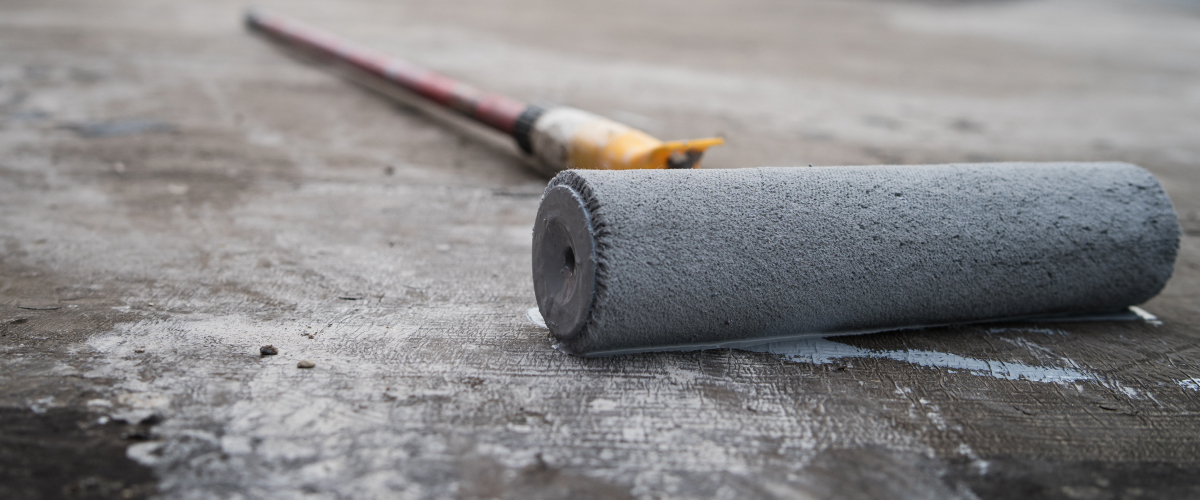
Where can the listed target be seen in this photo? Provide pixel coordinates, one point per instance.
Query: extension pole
(559, 137)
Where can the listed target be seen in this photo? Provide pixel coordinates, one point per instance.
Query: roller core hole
(569, 258)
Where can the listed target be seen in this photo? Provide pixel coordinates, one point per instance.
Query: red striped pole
(494, 110)
(566, 137)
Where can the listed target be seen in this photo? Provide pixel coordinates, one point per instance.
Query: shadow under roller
(650, 260)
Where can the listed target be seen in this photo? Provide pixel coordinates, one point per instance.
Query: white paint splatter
(535, 316)
(601, 404)
(40, 405)
(823, 351)
(1146, 316)
(1006, 329)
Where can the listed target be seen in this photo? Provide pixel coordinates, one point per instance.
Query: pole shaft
(494, 110)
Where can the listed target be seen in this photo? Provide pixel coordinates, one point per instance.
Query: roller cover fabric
(690, 259)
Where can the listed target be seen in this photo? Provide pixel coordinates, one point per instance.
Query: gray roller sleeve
(630, 261)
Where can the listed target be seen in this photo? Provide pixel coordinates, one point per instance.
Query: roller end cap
(564, 262)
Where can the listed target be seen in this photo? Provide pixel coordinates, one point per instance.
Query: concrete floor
(176, 193)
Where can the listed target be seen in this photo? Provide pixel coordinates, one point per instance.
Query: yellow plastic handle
(607, 145)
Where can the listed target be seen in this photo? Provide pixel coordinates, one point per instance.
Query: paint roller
(653, 260)
(557, 137)
(665, 257)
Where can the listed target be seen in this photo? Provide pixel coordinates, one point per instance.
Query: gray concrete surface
(176, 193)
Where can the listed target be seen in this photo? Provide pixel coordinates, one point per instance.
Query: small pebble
(268, 350)
(304, 363)
(139, 350)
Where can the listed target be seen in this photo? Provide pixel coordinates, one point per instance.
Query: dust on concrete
(272, 199)
(57, 438)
